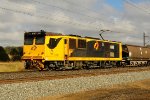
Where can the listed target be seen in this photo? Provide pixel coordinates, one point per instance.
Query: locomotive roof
(43, 33)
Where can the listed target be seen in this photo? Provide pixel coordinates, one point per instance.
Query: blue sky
(117, 4)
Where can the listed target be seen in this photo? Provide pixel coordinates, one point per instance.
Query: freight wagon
(136, 55)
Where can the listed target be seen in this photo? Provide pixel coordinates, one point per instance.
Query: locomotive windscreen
(28, 40)
(39, 40)
(38, 36)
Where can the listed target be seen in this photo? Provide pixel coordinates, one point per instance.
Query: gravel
(28, 90)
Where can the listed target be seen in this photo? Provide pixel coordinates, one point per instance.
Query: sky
(126, 20)
(118, 5)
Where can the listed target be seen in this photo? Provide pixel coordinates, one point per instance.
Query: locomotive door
(72, 47)
(66, 49)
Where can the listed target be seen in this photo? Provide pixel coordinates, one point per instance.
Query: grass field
(11, 66)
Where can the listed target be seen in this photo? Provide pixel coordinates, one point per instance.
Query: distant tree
(8, 49)
(15, 53)
(20, 50)
(3, 55)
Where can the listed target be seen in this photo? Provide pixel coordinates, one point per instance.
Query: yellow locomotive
(47, 50)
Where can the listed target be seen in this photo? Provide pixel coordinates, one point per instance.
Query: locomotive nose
(33, 52)
(33, 47)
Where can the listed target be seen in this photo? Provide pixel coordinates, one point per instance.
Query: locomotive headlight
(46, 58)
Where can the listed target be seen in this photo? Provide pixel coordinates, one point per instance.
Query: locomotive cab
(42, 47)
(33, 48)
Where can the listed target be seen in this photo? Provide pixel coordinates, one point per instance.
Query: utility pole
(144, 39)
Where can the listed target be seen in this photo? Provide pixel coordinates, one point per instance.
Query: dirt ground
(132, 91)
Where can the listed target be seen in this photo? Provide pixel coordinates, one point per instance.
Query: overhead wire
(144, 8)
(87, 23)
(43, 11)
(50, 5)
(85, 8)
(44, 17)
(61, 8)
(68, 10)
(77, 5)
(136, 6)
(133, 4)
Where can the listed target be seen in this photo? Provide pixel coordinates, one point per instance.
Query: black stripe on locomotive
(88, 49)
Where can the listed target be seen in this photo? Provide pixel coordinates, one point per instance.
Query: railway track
(29, 76)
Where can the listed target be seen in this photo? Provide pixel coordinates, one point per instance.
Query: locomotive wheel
(52, 66)
(103, 64)
(47, 68)
(118, 64)
(87, 67)
(137, 65)
(124, 65)
(27, 64)
(148, 63)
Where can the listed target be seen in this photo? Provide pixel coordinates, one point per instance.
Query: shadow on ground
(132, 91)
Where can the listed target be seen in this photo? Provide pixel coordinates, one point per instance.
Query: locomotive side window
(72, 43)
(81, 43)
(112, 46)
(53, 42)
(40, 40)
(28, 40)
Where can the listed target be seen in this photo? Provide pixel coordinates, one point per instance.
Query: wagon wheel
(137, 65)
(124, 64)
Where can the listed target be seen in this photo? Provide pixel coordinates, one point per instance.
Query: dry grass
(11, 66)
